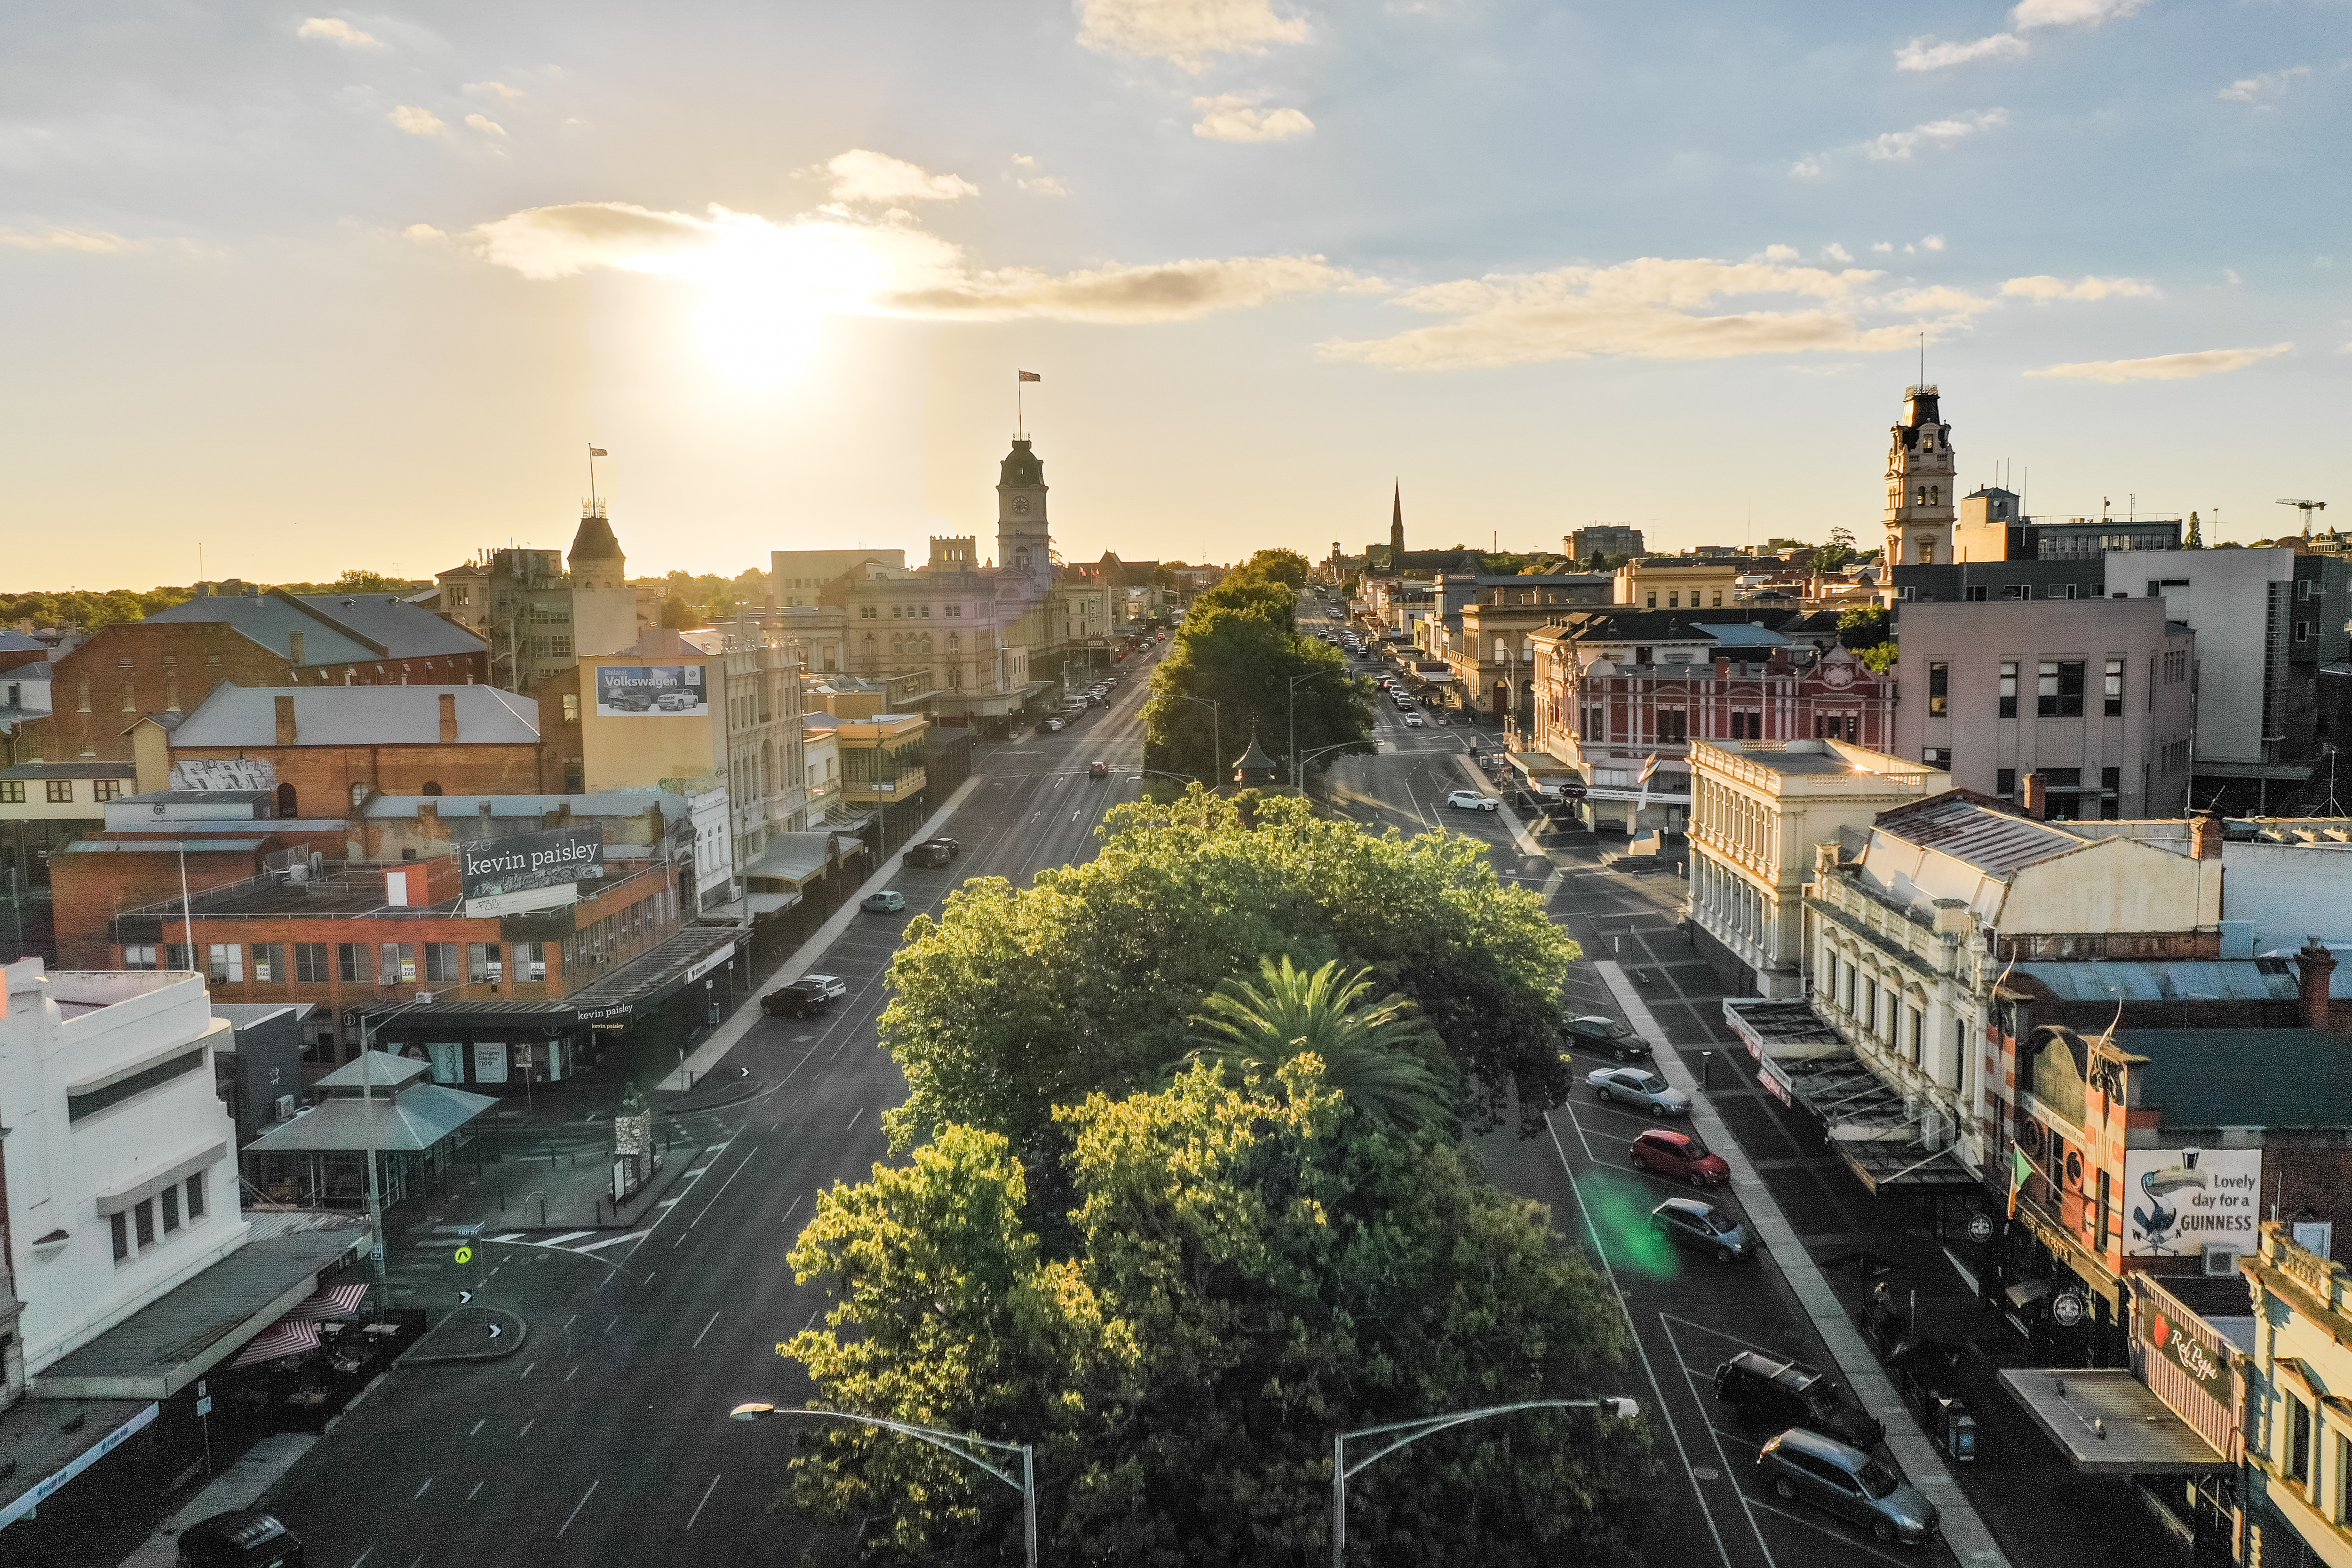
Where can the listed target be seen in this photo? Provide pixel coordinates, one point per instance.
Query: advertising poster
(650, 691)
(2178, 1202)
(530, 870)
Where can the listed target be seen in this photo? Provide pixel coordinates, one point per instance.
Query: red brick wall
(90, 888)
(322, 776)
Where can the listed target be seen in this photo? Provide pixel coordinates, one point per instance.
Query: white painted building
(2299, 1402)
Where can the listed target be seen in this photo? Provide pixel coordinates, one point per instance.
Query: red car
(1680, 1155)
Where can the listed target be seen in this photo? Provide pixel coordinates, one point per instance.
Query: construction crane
(2306, 508)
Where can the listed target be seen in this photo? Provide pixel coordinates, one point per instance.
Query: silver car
(1689, 1222)
(1848, 1483)
(1638, 1086)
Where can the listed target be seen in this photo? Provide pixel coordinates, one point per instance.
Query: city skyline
(357, 289)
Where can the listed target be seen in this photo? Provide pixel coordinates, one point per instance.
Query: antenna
(2306, 508)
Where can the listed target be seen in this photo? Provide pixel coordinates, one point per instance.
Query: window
(2115, 690)
(1747, 724)
(171, 1209)
(1596, 723)
(2005, 783)
(1940, 690)
(139, 958)
(178, 958)
(1938, 757)
(1674, 725)
(1916, 1021)
(2008, 688)
(269, 963)
(1641, 655)
(1869, 1014)
(441, 962)
(1974, 593)
(2303, 633)
(1837, 726)
(348, 959)
(121, 1225)
(2107, 1210)
(571, 707)
(865, 611)
(530, 959)
(2058, 689)
(1652, 602)
(11, 792)
(225, 961)
(61, 792)
(1718, 599)
(399, 963)
(111, 789)
(143, 1220)
(311, 962)
(1674, 599)
(2298, 1458)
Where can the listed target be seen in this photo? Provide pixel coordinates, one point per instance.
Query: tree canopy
(1374, 1050)
(1251, 1273)
(1016, 1001)
(1286, 567)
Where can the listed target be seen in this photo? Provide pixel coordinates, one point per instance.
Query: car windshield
(1648, 1083)
(1877, 1479)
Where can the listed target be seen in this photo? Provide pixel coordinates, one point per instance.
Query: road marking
(705, 1334)
(527, 1426)
(567, 1236)
(611, 1326)
(793, 1210)
(528, 1371)
(1735, 1339)
(573, 1373)
(647, 1281)
(576, 1508)
(362, 1557)
(479, 1424)
(1691, 1378)
(610, 1241)
(698, 1507)
(714, 1198)
(1837, 1535)
(423, 1489)
(569, 1321)
(854, 1115)
(477, 1491)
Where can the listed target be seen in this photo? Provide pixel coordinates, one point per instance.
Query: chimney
(2313, 965)
(286, 721)
(294, 647)
(2205, 837)
(449, 716)
(2036, 797)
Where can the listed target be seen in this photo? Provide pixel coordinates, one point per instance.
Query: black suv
(803, 998)
(926, 854)
(1791, 1394)
(1608, 1037)
(244, 1539)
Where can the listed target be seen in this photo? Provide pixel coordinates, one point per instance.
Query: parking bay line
(1735, 1339)
(1721, 1453)
(1839, 1536)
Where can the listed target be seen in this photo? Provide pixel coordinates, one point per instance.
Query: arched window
(431, 786)
(286, 802)
(1934, 495)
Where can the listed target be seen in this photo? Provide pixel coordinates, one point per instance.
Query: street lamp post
(962, 1446)
(1217, 733)
(1298, 769)
(1292, 751)
(1404, 1431)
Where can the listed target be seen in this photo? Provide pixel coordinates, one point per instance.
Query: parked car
(1471, 800)
(805, 997)
(1790, 1394)
(1635, 1086)
(1608, 1037)
(1845, 1481)
(1413, 721)
(954, 847)
(889, 901)
(1055, 726)
(245, 1537)
(926, 855)
(1687, 1222)
(1681, 1155)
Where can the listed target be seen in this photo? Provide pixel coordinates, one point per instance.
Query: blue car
(889, 901)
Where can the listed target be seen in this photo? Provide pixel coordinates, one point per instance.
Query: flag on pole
(1028, 375)
(2020, 1167)
(598, 452)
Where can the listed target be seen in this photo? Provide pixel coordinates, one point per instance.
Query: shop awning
(411, 1122)
(48, 1442)
(652, 978)
(289, 1336)
(1801, 1061)
(332, 1305)
(2108, 1423)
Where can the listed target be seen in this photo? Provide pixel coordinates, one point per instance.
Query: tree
(1376, 1053)
(1829, 557)
(1246, 662)
(359, 580)
(1286, 567)
(1249, 1274)
(1015, 1000)
(2196, 540)
(1861, 626)
(675, 612)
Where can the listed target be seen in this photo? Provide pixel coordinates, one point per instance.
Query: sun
(766, 292)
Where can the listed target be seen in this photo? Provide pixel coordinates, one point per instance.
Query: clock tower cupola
(1922, 501)
(1022, 541)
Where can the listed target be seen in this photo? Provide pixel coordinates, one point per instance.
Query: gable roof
(337, 628)
(1994, 839)
(359, 716)
(2243, 1077)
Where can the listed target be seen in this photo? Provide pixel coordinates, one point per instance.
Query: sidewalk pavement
(724, 1039)
(241, 1485)
(1963, 1529)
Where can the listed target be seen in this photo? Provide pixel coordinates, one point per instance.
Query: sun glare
(767, 290)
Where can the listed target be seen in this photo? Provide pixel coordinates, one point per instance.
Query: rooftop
(1987, 835)
(597, 803)
(359, 716)
(71, 771)
(337, 628)
(2243, 1077)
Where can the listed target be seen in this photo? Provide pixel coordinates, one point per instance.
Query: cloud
(1029, 179)
(2029, 14)
(1933, 241)
(1897, 146)
(888, 268)
(1836, 252)
(82, 241)
(1653, 309)
(1926, 54)
(486, 125)
(1231, 118)
(2044, 287)
(422, 234)
(417, 121)
(2164, 367)
(335, 30)
(880, 180)
(495, 90)
(2255, 89)
(1184, 32)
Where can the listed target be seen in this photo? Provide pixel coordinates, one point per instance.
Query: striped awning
(288, 1336)
(332, 1304)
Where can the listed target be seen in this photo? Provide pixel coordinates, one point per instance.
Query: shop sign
(705, 965)
(489, 1061)
(2178, 1202)
(2186, 1349)
(49, 1486)
(1775, 1084)
(554, 862)
(595, 1015)
(2069, 1310)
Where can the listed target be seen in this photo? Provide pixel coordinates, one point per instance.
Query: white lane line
(719, 1194)
(1834, 1533)
(362, 1557)
(573, 1373)
(528, 1371)
(1578, 1123)
(705, 1334)
(854, 1115)
(612, 1241)
(479, 1424)
(1735, 1339)
(1691, 1379)
(477, 1491)
(811, 1320)
(793, 1210)
(576, 1507)
(423, 1489)
(1672, 1430)
(567, 1236)
(527, 1426)
(698, 1507)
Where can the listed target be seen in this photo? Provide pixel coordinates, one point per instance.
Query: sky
(310, 289)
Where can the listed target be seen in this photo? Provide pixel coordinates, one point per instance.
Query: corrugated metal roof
(597, 803)
(354, 625)
(272, 623)
(414, 1119)
(359, 716)
(2243, 1077)
(405, 630)
(1993, 841)
(71, 771)
(2184, 980)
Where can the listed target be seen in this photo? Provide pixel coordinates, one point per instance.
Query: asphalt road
(603, 1440)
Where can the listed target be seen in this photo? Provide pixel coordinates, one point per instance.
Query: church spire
(1396, 524)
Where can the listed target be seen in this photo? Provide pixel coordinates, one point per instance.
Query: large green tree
(1245, 663)
(1015, 1000)
(1374, 1050)
(1251, 1273)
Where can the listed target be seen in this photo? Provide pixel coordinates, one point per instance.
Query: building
(1971, 581)
(2242, 604)
(796, 575)
(762, 690)
(1602, 539)
(1480, 627)
(1992, 526)
(1758, 810)
(44, 807)
(169, 663)
(2298, 1443)
(258, 1065)
(2098, 698)
(1678, 581)
(882, 758)
(1922, 490)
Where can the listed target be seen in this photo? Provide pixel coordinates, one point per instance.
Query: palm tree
(1370, 1049)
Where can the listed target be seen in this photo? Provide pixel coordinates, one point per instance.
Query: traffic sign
(465, 1254)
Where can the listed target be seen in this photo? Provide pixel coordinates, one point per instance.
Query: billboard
(650, 691)
(2181, 1201)
(530, 870)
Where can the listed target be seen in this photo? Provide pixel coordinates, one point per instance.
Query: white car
(1413, 721)
(1470, 800)
(1637, 1085)
(1052, 726)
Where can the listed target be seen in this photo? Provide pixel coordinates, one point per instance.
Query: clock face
(1020, 503)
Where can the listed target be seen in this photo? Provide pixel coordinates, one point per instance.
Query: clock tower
(1922, 501)
(1022, 540)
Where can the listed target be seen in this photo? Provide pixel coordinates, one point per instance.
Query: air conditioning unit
(284, 1108)
(426, 997)
(1934, 1131)
(2221, 1261)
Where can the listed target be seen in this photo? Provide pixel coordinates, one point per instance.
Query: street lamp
(1216, 735)
(1298, 769)
(1413, 1431)
(1292, 750)
(962, 1446)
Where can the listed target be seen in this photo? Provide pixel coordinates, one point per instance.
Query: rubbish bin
(1960, 1431)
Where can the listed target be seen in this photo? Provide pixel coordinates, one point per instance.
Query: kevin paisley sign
(530, 870)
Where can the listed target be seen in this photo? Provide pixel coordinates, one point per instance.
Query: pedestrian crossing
(563, 1242)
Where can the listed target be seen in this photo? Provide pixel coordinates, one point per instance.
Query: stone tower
(1022, 543)
(1922, 501)
(604, 606)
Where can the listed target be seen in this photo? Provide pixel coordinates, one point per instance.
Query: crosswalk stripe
(560, 1240)
(611, 1241)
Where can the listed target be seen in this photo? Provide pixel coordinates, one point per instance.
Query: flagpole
(592, 479)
